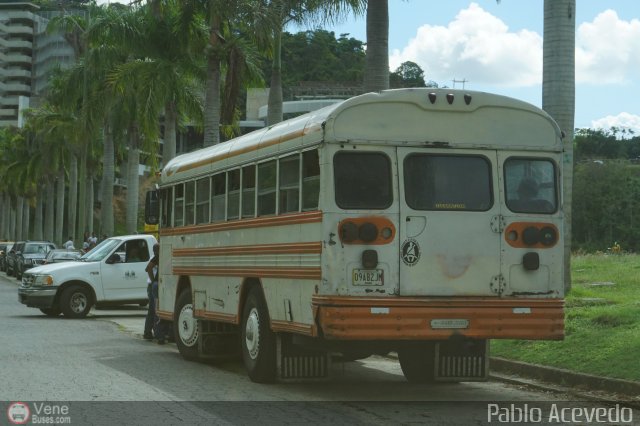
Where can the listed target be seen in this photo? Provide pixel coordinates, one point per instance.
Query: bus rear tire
(257, 339)
(186, 328)
(418, 362)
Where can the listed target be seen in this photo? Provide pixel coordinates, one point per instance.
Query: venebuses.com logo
(18, 413)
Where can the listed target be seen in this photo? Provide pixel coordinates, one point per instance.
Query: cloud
(477, 46)
(623, 120)
(607, 49)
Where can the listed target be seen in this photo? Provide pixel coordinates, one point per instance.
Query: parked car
(5, 247)
(12, 258)
(62, 255)
(32, 254)
(113, 273)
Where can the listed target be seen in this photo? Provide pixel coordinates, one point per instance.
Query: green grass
(602, 324)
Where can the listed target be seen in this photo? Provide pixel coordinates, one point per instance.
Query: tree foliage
(606, 191)
(408, 74)
(320, 56)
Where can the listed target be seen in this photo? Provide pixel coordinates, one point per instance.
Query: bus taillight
(531, 235)
(366, 230)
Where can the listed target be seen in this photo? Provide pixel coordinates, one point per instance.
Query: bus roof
(407, 117)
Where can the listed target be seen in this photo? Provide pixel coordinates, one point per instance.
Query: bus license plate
(368, 277)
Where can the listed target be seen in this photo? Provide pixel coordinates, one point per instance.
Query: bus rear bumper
(411, 318)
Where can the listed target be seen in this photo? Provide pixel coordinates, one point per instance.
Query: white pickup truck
(113, 273)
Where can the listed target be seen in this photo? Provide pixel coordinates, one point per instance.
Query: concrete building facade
(28, 54)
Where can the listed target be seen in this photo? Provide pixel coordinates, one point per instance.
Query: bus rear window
(362, 180)
(530, 185)
(447, 182)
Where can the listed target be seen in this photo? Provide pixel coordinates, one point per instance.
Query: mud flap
(297, 362)
(463, 360)
(218, 341)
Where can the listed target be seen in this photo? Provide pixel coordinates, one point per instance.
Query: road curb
(566, 378)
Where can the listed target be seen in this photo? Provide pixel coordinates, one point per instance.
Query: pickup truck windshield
(101, 251)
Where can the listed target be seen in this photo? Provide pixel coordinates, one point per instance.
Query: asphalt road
(104, 373)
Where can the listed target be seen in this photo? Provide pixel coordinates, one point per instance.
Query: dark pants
(159, 326)
(151, 312)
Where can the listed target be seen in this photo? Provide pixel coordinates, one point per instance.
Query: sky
(498, 48)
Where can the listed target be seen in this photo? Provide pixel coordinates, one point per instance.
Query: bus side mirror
(151, 207)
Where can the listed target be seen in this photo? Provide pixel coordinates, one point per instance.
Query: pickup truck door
(127, 279)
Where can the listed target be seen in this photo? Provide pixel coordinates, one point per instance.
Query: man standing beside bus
(152, 280)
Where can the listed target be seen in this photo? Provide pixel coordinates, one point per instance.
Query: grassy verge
(602, 322)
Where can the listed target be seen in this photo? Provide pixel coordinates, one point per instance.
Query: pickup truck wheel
(50, 312)
(75, 302)
(186, 327)
(257, 339)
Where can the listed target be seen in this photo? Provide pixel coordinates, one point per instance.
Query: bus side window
(233, 208)
(178, 219)
(310, 180)
(266, 188)
(167, 204)
(190, 202)
(202, 201)
(218, 194)
(289, 184)
(249, 191)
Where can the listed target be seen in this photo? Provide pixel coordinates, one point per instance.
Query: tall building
(28, 54)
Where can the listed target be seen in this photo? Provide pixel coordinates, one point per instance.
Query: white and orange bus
(421, 221)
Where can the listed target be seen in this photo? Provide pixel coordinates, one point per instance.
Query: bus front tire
(418, 363)
(186, 327)
(257, 339)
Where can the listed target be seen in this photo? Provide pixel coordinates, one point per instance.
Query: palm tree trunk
(558, 97)
(26, 211)
(212, 86)
(59, 215)
(274, 111)
(376, 72)
(4, 207)
(89, 207)
(82, 192)
(19, 207)
(170, 120)
(133, 162)
(39, 213)
(108, 177)
(73, 195)
(49, 214)
(12, 221)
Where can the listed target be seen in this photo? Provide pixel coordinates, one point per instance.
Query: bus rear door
(450, 241)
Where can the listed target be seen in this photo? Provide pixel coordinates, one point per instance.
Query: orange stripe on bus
(412, 318)
(168, 315)
(260, 222)
(216, 316)
(293, 273)
(289, 248)
(293, 327)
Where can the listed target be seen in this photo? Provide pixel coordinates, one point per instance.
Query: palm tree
(376, 72)
(281, 13)
(52, 127)
(558, 96)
